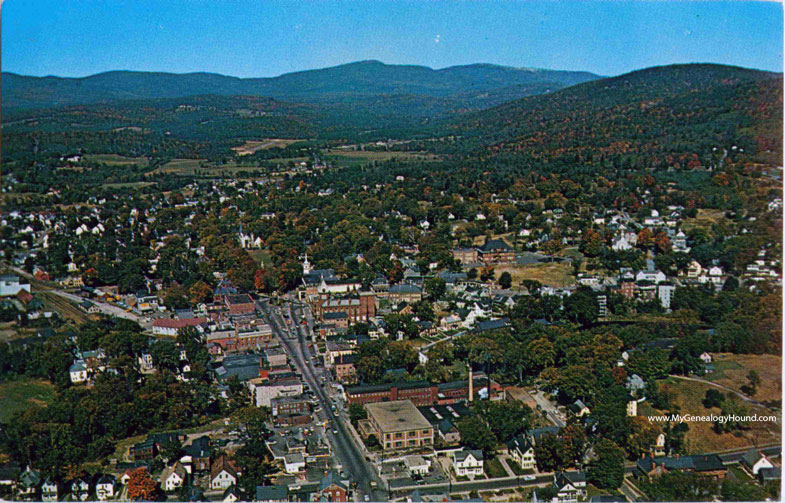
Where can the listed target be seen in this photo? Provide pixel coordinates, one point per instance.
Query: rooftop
(399, 415)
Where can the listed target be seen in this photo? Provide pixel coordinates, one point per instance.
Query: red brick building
(240, 305)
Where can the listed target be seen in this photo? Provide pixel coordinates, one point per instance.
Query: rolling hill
(470, 85)
(648, 113)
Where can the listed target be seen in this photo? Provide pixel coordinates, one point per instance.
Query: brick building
(397, 425)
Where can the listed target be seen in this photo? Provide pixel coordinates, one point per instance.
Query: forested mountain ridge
(350, 81)
(650, 113)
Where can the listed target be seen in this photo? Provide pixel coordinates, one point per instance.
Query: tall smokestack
(471, 384)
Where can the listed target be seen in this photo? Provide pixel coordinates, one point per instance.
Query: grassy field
(260, 256)
(493, 468)
(557, 274)
(701, 437)
(128, 185)
(704, 219)
(731, 371)
(183, 166)
(116, 160)
(251, 146)
(23, 394)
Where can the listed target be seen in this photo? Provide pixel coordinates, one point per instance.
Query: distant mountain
(470, 86)
(648, 113)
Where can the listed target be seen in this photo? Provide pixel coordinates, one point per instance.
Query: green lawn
(116, 160)
(22, 394)
(720, 367)
(493, 467)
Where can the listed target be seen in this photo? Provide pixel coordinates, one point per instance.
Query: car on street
(529, 477)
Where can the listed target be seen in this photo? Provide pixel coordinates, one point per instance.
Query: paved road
(478, 485)
(347, 453)
(548, 408)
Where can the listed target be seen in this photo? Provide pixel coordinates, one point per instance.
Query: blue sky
(266, 38)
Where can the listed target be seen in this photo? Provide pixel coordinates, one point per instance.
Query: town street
(346, 451)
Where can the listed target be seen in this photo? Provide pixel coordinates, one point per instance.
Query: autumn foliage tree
(141, 486)
(591, 244)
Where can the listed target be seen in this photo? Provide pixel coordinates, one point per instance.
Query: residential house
(223, 474)
(753, 461)
(467, 463)
(173, 477)
(28, 484)
(579, 408)
(521, 450)
(80, 489)
(570, 486)
(231, 495)
(105, 487)
(49, 490)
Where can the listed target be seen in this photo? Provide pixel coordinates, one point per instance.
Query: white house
(80, 489)
(173, 477)
(104, 488)
(659, 445)
(78, 372)
(49, 490)
(570, 486)
(222, 474)
(522, 452)
(418, 465)
(467, 463)
(705, 357)
(754, 461)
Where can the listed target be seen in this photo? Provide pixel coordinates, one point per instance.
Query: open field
(557, 274)
(261, 256)
(704, 219)
(701, 437)
(23, 394)
(731, 371)
(251, 146)
(183, 166)
(116, 160)
(128, 185)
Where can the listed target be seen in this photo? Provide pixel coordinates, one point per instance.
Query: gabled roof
(462, 455)
(519, 443)
(330, 479)
(222, 464)
(751, 457)
(495, 245)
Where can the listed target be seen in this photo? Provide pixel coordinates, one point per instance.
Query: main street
(349, 455)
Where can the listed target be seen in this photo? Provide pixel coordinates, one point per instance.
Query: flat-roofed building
(397, 425)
